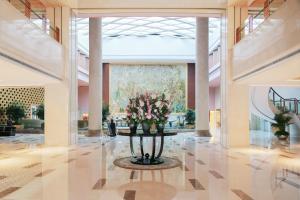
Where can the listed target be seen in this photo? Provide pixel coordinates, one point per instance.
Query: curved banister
(273, 95)
(267, 117)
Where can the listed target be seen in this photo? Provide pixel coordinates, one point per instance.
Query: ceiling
(175, 27)
(98, 4)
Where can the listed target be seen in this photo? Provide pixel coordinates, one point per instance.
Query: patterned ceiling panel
(178, 27)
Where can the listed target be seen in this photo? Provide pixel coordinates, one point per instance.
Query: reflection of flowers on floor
(128, 80)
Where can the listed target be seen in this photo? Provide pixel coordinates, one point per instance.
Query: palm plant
(281, 119)
(40, 112)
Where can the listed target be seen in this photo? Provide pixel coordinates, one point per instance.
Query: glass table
(146, 158)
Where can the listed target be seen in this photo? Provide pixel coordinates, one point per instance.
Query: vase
(133, 127)
(146, 127)
(160, 128)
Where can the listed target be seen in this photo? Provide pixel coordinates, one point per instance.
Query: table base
(145, 161)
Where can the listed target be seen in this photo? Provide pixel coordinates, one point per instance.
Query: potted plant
(105, 112)
(281, 119)
(40, 113)
(161, 112)
(132, 114)
(190, 117)
(15, 111)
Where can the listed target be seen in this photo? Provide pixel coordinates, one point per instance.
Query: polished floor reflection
(86, 172)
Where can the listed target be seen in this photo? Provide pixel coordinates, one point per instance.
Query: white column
(61, 97)
(95, 76)
(234, 96)
(202, 81)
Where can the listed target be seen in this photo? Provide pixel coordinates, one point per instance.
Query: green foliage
(40, 112)
(281, 121)
(82, 124)
(280, 133)
(190, 116)
(15, 111)
(161, 109)
(105, 112)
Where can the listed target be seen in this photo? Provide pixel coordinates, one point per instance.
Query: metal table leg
(131, 147)
(141, 146)
(161, 146)
(153, 148)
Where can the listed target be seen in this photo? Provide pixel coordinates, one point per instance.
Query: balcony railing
(36, 15)
(255, 18)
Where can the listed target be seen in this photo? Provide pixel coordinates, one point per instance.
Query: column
(202, 81)
(61, 103)
(105, 82)
(191, 85)
(234, 96)
(95, 77)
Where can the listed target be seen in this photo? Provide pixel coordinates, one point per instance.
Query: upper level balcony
(270, 48)
(28, 39)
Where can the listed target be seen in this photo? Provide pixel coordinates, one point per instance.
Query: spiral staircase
(266, 101)
(291, 105)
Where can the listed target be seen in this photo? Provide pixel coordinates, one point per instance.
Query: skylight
(119, 32)
(178, 27)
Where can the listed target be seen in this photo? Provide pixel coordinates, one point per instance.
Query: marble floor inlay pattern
(31, 171)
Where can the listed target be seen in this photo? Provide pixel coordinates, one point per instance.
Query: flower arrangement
(148, 109)
(161, 110)
(132, 111)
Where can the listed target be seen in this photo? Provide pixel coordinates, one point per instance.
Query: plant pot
(146, 127)
(19, 127)
(133, 127)
(160, 128)
(190, 126)
(282, 137)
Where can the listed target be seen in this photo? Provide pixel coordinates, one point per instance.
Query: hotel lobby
(168, 100)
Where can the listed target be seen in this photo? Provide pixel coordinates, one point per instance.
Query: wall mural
(128, 80)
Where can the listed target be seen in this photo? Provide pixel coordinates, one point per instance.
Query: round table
(146, 158)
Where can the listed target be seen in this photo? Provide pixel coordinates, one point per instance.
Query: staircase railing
(287, 104)
(254, 19)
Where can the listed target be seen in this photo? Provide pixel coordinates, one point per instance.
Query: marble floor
(32, 171)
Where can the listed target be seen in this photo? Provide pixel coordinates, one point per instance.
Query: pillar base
(203, 133)
(93, 133)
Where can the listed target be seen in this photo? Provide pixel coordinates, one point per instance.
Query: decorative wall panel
(26, 96)
(128, 80)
